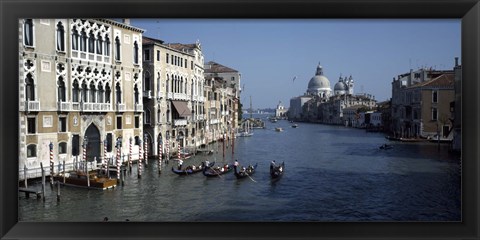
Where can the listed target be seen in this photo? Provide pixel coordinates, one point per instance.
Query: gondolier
(180, 162)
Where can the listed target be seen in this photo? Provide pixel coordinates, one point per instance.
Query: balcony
(215, 121)
(194, 98)
(147, 94)
(159, 95)
(76, 106)
(32, 106)
(180, 96)
(170, 95)
(180, 122)
(138, 107)
(64, 106)
(95, 107)
(121, 107)
(201, 99)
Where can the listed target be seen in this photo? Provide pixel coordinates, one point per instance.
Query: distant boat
(294, 125)
(277, 171)
(190, 169)
(217, 171)
(386, 146)
(278, 129)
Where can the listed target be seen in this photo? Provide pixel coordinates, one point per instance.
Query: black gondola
(191, 169)
(276, 171)
(244, 173)
(217, 171)
(386, 146)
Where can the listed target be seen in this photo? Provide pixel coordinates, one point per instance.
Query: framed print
(276, 119)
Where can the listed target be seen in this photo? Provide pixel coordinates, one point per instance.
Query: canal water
(332, 173)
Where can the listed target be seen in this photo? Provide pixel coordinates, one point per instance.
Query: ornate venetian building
(78, 81)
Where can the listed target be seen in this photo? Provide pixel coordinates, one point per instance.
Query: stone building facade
(76, 83)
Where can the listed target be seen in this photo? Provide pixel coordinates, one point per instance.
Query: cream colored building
(78, 80)
(173, 96)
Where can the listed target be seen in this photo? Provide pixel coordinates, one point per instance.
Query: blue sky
(270, 53)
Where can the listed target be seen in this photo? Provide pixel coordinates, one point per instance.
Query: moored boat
(79, 179)
(244, 172)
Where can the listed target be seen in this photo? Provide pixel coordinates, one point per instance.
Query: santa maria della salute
(318, 104)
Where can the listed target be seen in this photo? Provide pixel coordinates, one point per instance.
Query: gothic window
(147, 116)
(75, 39)
(135, 89)
(28, 32)
(99, 44)
(147, 83)
(91, 42)
(30, 88)
(83, 41)
(107, 93)
(60, 37)
(168, 84)
(135, 52)
(100, 93)
(118, 92)
(107, 46)
(75, 91)
(93, 92)
(61, 90)
(117, 48)
(31, 150)
(84, 92)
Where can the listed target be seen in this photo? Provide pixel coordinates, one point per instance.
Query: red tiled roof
(147, 40)
(213, 67)
(444, 80)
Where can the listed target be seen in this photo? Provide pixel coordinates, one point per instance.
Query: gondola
(242, 174)
(217, 171)
(190, 169)
(386, 146)
(276, 171)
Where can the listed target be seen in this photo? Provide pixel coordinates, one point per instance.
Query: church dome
(319, 81)
(340, 86)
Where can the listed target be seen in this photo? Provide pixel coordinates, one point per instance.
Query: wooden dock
(29, 191)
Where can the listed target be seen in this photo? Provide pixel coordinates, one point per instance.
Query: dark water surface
(332, 173)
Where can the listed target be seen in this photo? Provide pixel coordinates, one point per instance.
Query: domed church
(344, 86)
(319, 85)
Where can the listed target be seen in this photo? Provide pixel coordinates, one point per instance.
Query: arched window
(61, 90)
(83, 41)
(84, 91)
(146, 84)
(118, 92)
(107, 93)
(168, 84)
(135, 52)
(135, 90)
(28, 32)
(60, 37)
(93, 92)
(99, 44)
(117, 48)
(100, 93)
(30, 88)
(75, 39)
(75, 91)
(62, 148)
(31, 150)
(147, 116)
(91, 42)
(107, 46)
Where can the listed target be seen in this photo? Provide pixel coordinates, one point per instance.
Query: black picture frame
(12, 10)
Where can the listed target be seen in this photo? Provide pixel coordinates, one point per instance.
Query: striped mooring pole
(51, 162)
(178, 154)
(160, 150)
(130, 156)
(167, 151)
(104, 162)
(118, 160)
(145, 142)
(140, 156)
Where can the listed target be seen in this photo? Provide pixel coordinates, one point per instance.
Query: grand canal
(332, 173)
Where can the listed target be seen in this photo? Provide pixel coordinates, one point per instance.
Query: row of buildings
(98, 86)
(425, 103)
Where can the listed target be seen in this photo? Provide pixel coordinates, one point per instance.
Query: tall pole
(104, 165)
(140, 156)
(146, 150)
(51, 162)
(130, 156)
(160, 150)
(118, 159)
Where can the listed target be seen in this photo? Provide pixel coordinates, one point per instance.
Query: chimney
(456, 61)
(126, 21)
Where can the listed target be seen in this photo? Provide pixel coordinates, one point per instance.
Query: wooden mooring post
(25, 175)
(58, 191)
(43, 181)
